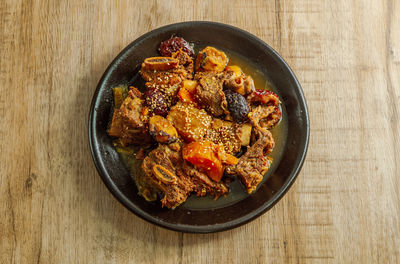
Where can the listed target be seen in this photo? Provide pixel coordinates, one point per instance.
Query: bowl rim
(95, 153)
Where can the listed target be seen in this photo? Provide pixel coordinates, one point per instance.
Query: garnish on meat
(190, 119)
(190, 122)
(230, 134)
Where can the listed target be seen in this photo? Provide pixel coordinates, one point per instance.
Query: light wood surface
(344, 206)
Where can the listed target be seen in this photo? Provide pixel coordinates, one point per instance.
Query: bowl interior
(123, 70)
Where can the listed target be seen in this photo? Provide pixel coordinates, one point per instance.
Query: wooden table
(344, 206)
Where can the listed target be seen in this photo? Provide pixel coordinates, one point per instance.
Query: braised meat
(131, 112)
(254, 163)
(175, 178)
(265, 117)
(237, 81)
(203, 185)
(129, 122)
(186, 61)
(264, 97)
(162, 167)
(164, 76)
(209, 93)
(190, 125)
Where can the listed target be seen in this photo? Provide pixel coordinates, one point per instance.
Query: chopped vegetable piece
(187, 91)
(190, 122)
(115, 129)
(190, 85)
(226, 133)
(226, 158)
(185, 96)
(245, 134)
(211, 59)
(208, 157)
(120, 94)
(162, 130)
(202, 154)
(236, 70)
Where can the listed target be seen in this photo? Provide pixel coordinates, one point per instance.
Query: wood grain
(344, 207)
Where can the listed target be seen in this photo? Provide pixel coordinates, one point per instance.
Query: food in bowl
(195, 124)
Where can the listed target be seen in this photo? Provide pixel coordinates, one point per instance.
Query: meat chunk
(129, 122)
(203, 185)
(163, 76)
(264, 97)
(165, 82)
(155, 79)
(162, 167)
(131, 112)
(186, 61)
(167, 70)
(237, 81)
(254, 163)
(159, 64)
(265, 117)
(162, 71)
(209, 93)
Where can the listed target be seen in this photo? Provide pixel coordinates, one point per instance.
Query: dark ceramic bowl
(124, 69)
